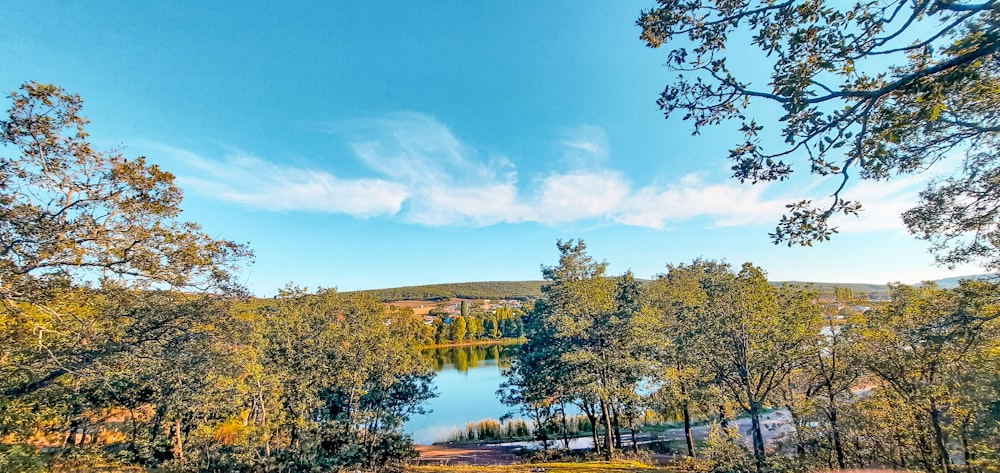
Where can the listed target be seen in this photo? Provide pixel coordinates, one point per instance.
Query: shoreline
(470, 343)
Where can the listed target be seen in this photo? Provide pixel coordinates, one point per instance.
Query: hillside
(878, 291)
(527, 290)
(521, 290)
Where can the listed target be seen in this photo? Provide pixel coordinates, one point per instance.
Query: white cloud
(727, 204)
(256, 183)
(579, 195)
(467, 205)
(882, 204)
(420, 172)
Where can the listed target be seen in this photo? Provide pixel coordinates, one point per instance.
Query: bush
(21, 458)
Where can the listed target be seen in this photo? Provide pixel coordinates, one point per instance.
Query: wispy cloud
(882, 204)
(726, 204)
(584, 146)
(416, 170)
(244, 179)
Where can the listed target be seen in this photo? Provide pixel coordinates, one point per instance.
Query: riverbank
(475, 343)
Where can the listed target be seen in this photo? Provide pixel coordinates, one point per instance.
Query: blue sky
(377, 144)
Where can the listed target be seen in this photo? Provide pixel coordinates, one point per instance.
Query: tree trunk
(967, 455)
(940, 442)
(71, 436)
(757, 435)
(610, 443)
(617, 424)
(592, 417)
(154, 430)
(835, 434)
(631, 427)
(178, 446)
(565, 425)
(686, 412)
(541, 434)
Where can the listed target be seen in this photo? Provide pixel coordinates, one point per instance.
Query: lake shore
(471, 343)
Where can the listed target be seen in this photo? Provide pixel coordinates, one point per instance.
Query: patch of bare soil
(464, 455)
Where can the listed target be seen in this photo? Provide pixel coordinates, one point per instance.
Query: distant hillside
(948, 283)
(826, 288)
(526, 290)
(522, 290)
(860, 289)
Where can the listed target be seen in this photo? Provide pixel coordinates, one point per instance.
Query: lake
(466, 384)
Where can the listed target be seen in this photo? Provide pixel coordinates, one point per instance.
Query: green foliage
(584, 347)
(71, 214)
(123, 340)
(724, 452)
(457, 327)
(21, 458)
(735, 329)
(870, 89)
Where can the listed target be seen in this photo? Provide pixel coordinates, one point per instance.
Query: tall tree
(680, 301)
(762, 333)
(870, 90)
(585, 344)
(73, 220)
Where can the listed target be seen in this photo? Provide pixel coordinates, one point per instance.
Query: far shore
(502, 341)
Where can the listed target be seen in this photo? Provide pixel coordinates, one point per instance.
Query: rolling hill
(528, 290)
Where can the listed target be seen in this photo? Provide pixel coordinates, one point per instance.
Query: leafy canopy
(871, 89)
(71, 215)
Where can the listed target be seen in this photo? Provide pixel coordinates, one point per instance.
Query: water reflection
(466, 384)
(465, 358)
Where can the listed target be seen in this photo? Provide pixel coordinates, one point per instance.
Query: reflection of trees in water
(465, 358)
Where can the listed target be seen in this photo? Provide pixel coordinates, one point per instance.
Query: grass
(491, 430)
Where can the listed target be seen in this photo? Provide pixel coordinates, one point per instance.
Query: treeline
(503, 322)
(912, 383)
(125, 342)
(495, 290)
(225, 385)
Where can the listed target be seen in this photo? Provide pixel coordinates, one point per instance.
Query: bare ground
(464, 455)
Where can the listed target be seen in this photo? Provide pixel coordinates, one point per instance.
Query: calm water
(466, 382)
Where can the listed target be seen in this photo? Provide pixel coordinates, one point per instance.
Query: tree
(490, 327)
(872, 89)
(932, 348)
(761, 334)
(587, 344)
(70, 213)
(457, 328)
(680, 302)
(76, 225)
